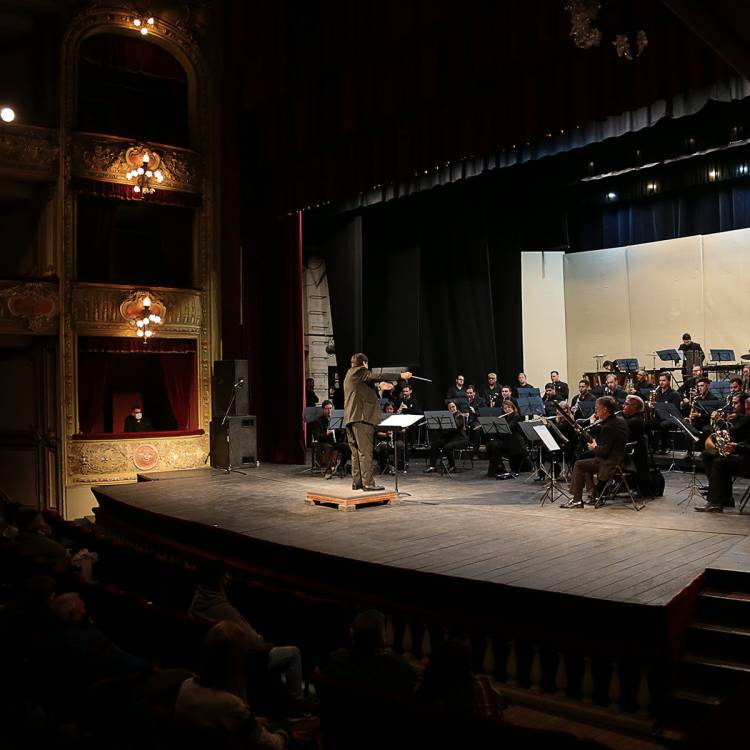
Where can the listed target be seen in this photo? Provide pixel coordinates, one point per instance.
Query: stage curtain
(122, 192)
(94, 378)
(275, 340)
(132, 54)
(134, 345)
(180, 382)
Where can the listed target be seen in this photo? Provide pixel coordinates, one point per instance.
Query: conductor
(361, 414)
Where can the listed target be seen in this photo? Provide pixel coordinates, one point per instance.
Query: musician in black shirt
(457, 389)
(490, 393)
(549, 400)
(660, 428)
(611, 388)
(329, 448)
(692, 353)
(510, 446)
(507, 394)
(632, 411)
(474, 405)
(561, 389)
(447, 441)
(584, 394)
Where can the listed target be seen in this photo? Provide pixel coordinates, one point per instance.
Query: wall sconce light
(144, 313)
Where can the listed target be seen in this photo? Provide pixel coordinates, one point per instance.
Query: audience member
(449, 685)
(35, 537)
(215, 701)
(367, 664)
(211, 603)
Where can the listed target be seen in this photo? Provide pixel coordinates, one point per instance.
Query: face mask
(139, 416)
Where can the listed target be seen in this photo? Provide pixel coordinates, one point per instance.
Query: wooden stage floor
(468, 527)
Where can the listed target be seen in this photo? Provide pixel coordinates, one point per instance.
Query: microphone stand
(228, 469)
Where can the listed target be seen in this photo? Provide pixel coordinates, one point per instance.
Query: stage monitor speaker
(234, 443)
(227, 372)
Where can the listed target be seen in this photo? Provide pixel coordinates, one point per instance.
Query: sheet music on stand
(337, 420)
(439, 420)
(546, 437)
(380, 370)
(399, 422)
(494, 425)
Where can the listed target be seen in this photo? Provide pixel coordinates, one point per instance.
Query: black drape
(700, 211)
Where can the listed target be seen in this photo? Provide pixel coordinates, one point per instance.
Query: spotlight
(742, 169)
(651, 187)
(713, 174)
(7, 114)
(611, 196)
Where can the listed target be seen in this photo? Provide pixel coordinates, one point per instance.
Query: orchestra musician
(658, 427)
(608, 449)
(690, 385)
(746, 378)
(640, 381)
(549, 400)
(329, 449)
(609, 365)
(446, 442)
(510, 446)
(361, 414)
(700, 417)
(490, 393)
(384, 445)
(522, 383)
(692, 354)
(506, 394)
(632, 411)
(735, 387)
(406, 403)
(561, 389)
(474, 404)
(737, 424)
(457, 389)
(722, 469)
(611, 388)
(584, 394)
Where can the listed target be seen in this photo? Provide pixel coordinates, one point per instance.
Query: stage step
(725, 605)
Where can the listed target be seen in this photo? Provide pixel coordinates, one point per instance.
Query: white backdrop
(630, 301)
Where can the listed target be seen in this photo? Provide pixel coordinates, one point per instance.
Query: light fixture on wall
(7, 114)
(143, 24)
(145, 172)
(144, 313)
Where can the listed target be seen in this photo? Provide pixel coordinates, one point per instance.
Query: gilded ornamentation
(29, 150)
(109, 158)
(103, 461)
(109, 308)
(36, 304)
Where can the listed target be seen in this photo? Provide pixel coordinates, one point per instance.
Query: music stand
(441, 421)
(670, 413)
(400, 422)
(628, 365)
(722, 355)
(552, 490)
(669, 355)
(691, 487)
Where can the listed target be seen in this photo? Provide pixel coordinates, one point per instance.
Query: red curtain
(94, 378)
(134, 345)
(123, 192)
(132, 54)
(180, 382)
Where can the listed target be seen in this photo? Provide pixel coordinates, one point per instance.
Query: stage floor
(468, 527)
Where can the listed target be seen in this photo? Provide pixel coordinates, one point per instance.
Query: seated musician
(474, 405)
(660, 428)
(490, 392)
(690, 385)
(561, 389)
(512, 447)
(700, 416)
(522, 383)
(549, 400)
(584, 394)
(640, 381)
(608, 449)
(735, 462)
(384, 446)
(445, 442)
(611, 388)
(733, 418)
(507, 395)
(406, 403)
(735, 388)
(632, 411)
(457, 389)
(746, 378)
(609, 365)
(329, 449)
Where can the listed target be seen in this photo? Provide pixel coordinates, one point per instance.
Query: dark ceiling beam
(724, 25)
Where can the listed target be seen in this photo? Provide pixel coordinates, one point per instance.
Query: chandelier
(144, 313)
(583, 13)
(145, 172)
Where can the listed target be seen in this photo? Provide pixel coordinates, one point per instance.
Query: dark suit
(449, 440)
(562, 390)
(361, 414)
(490, 396)
(721, 473)
(637, 434)
(608, 454)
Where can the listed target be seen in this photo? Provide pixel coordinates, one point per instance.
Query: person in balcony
(137, 421)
